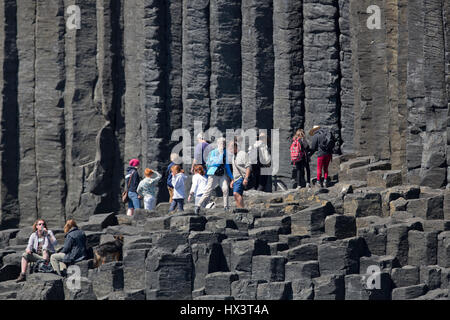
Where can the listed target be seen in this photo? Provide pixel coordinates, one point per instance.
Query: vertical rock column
(346, 82)
(288, 105)
(154, 123)
(446, 13)
(83, 118)
(257, 64)
(415, 90)
(26, 13)
(402, 62)
(196, 63)
(133, 42)
(434, 165)
(108, 96)
(321, 61)
(49, 111)
(225, 83)
(392, 54)
(9, 138)
(174, 32)
(371, 83)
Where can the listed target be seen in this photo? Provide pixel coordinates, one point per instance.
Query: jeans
(177, 203)
(133, 201)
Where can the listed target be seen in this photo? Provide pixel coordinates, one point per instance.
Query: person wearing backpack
(323, 142)
(300, 160)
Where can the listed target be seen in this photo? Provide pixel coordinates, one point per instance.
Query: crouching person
(74, 249)
(41, 245)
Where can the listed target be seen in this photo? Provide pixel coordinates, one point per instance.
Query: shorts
(238, 186)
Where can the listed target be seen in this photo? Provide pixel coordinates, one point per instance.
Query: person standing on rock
(178, 180)
(260, 158)
(219, 173)
(300, 160)
(323, 142)
(133, 197)
(74, 250)
(147, 188)
(200, 152)
(241, 173)
(199, 182)
(41, 245)
(174, 159)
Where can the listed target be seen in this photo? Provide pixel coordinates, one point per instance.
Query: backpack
(328, 142)
(296, 151)
(42, 267)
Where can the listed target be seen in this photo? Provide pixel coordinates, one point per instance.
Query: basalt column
(9, 140)
(154, 122)
(288, 106)
(257, 64)
(49, 111)
(196, 63)
(446, 12)
(225, 83)
(371, 81)
(83, 117)
(321, 61)
(434, 165)
(346, 81)
(26, 23)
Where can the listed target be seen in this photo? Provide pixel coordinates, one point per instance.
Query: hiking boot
(319, 184)
(22, 277)
(326, 183)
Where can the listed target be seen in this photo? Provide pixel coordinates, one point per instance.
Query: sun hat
(313, 130)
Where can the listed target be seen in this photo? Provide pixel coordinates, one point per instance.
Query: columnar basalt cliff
(77, 104)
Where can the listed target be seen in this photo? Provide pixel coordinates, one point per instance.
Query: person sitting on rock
(41, 245)
(241, 173)
(147, 188)
(74, 249)
(178, 179)
(199, 181)
(219, 173)
(322, 142)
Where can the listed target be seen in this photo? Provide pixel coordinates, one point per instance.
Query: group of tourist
(42, 243)
(229, 167)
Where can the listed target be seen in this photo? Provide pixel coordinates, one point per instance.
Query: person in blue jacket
(219, 174)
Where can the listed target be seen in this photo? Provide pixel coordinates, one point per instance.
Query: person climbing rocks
(41, 245)
(201, 152)
(133, 197)
(174, 159)
(300, 160)
(323, 142)
(147, 188)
